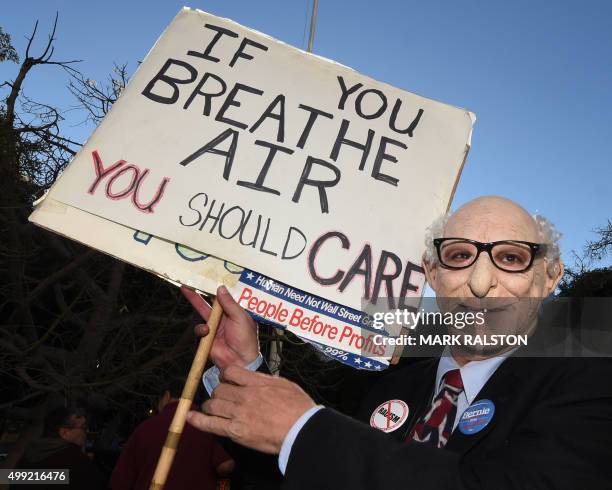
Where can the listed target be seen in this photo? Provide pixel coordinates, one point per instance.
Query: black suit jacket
(552, 429)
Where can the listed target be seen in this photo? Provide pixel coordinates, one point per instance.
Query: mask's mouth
(498, 305)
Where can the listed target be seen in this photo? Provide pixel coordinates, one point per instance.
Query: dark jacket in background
(195, 462)
(53, 453)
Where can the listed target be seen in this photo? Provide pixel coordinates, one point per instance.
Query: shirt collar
(474, 374)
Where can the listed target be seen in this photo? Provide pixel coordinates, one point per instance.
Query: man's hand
(252, 409)
(236, 342)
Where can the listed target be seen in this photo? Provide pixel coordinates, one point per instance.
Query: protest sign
(337, 331)
(293, 166)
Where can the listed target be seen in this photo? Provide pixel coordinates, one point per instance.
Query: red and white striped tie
(436, 426)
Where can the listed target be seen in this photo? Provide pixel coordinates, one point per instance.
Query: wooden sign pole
(191, 385)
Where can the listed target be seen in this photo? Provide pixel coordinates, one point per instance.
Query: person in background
(62, 446)
(199, 458)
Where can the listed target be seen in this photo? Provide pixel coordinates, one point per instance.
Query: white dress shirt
(474, 375)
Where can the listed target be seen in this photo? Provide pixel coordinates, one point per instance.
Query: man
(199, 458)
(475, 419)
(62, 446)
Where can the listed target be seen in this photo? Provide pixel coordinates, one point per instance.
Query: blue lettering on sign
(187, 253)
(141, 237)
(476, 417)
(233, 268)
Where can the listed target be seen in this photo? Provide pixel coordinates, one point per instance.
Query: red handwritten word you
(125, 180)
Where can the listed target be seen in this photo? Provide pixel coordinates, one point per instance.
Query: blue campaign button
(476, 417)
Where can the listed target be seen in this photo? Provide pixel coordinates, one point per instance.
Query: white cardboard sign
(291, 165)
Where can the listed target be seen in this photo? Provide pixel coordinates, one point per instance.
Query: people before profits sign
(291, 165)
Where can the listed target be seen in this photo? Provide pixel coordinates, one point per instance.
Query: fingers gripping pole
(191, 385)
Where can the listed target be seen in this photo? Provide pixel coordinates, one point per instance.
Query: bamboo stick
(191, 385)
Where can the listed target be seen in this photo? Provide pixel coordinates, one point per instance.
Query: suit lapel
(501, 390)
(418, 395)
(413, 384)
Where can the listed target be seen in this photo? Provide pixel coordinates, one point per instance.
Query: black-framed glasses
(507, 255)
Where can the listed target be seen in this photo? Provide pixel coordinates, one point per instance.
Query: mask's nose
(483, 276)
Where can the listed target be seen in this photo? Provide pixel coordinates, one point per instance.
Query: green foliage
(587, 284)
(590, 277)
(7, 51)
